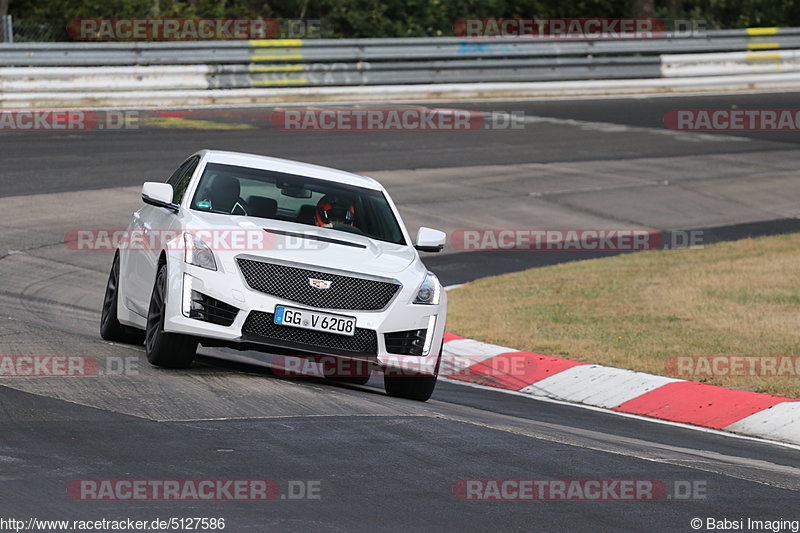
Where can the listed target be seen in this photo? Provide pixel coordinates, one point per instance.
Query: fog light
(186, 301)
(429, 335)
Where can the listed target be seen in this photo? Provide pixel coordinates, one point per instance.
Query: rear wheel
(410, 387)
(168, 350)
(110, 327)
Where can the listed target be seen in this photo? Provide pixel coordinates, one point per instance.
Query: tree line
(401, 18)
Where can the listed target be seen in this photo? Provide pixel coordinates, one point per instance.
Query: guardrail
(203, 65)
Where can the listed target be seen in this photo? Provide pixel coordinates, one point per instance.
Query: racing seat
(261, 206)
(307, 214)
(223, 193)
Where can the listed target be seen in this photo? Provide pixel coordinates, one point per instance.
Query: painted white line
(451, 287)
(629, 415)
(610, 127)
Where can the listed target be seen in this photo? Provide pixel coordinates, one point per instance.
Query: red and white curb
(625, 391)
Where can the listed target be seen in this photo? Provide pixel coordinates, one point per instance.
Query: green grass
(634, 311)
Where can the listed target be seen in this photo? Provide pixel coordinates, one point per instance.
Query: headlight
(429, 292)
(198, 253)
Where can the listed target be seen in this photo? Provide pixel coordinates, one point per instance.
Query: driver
(333, 210)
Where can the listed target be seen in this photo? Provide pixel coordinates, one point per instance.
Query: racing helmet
(334, 210)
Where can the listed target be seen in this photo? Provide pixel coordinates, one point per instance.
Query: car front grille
(293, 283)
(260, 327)
(405, 342)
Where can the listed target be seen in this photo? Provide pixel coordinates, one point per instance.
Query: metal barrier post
(8, 29)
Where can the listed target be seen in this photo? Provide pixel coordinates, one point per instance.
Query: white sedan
(259, 253)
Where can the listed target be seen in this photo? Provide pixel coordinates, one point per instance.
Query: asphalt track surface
(382, 464)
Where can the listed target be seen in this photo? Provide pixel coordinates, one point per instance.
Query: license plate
(303, 318)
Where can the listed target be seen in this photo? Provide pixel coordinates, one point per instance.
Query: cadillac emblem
(319, 283)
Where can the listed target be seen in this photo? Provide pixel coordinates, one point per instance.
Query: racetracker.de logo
(48, 366)
(557, 239)
(698, 366)
(332, 367)
(408, 119)
(733, 119)
(561, 28)
(586, 490)
(174, 489)
(109, 240)
(192, 29)
(66, 366)
(67, 120)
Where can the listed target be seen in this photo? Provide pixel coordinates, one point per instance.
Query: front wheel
(410, 387)
(168, 350)
(110, 327)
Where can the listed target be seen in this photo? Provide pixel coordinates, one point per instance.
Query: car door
(154, 224)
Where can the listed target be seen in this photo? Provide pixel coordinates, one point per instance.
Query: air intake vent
(210, 309)
(261, 327)
(405, 342)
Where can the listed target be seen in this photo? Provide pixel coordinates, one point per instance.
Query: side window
(181, 177)
(173, 179)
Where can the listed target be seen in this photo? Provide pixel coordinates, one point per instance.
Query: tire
(167, 350)
(110, 327)
(418, 388)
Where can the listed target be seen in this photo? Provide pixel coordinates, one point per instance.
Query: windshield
(234, 190)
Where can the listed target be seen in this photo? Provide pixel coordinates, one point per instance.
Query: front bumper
(229, 287)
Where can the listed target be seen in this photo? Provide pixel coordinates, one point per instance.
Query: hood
(232, 235)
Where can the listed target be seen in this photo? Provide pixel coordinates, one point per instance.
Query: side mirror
(158, 194)
(430, 240)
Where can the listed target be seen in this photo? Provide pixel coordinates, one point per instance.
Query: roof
(291, 167)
